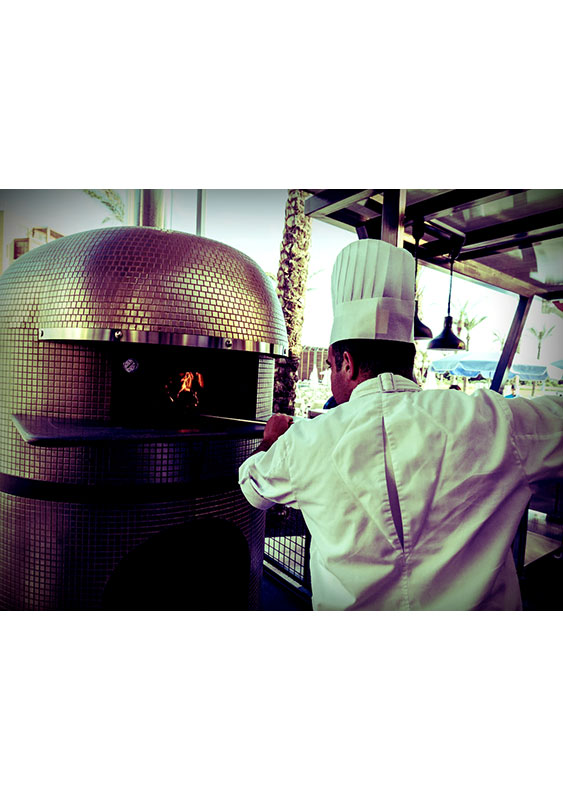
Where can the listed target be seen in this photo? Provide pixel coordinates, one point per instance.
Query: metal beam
(393, 217)
(511, 344)
(512, 244)
(516, 227)
(441, 245)
(473, 270)
(331, 200)
(373, 205)
(345, 219)
(455, 200)
(430, 250)
(501, 236)
(514, 233)
(494, 277)
(484, 274)
(370, 229)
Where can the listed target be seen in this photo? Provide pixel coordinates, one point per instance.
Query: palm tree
(466, 323)
(540, 336)
(497, 337)
(421, 364)
(112, 201)
(292, 284)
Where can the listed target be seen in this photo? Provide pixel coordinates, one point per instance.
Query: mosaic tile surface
(57, 554)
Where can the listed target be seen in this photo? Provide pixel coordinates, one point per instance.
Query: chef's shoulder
(535, 425)
(536, 415)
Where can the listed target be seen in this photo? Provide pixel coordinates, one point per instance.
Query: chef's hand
(275, 427)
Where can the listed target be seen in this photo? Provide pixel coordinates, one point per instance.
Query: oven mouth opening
(173, 387)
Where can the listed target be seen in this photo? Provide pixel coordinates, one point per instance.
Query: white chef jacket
(412, 498)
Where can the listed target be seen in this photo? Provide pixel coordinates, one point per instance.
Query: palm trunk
(464, 384)
(292, 282)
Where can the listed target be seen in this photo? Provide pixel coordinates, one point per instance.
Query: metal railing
(287, 544)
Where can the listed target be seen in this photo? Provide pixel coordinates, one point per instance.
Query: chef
(412, 497)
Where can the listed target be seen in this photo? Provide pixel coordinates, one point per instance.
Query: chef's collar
(386, 382)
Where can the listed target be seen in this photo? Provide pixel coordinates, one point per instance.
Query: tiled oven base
(59, 556)
(89, 325)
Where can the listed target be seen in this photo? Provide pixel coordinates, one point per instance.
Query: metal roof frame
(501, 228)
(498, 225)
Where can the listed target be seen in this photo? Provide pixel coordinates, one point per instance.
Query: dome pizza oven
(137, 370)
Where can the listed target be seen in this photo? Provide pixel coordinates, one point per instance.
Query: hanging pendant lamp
(421, 331)
(447, 340)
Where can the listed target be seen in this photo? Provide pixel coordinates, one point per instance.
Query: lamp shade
(421, 331)
(447, 340)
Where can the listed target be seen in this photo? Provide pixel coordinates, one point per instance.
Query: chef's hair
(373, 357)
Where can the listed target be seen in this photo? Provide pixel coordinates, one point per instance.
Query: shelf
(46, 431)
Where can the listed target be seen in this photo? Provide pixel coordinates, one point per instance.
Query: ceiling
(513, 237)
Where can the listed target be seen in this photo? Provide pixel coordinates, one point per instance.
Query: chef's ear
(349, 367)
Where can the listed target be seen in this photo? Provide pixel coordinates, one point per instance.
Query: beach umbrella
(467, 364)
(470, 365)
(555, 370)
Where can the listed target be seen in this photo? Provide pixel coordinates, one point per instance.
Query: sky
(251, 220)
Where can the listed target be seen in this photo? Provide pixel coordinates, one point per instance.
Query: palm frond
(111, 200)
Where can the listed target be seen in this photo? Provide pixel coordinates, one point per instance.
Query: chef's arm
(538, 436)
(275, 427)
(264, 477)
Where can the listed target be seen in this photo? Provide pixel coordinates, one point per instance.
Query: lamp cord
(417, 230)
(457, 244)
(451, 279)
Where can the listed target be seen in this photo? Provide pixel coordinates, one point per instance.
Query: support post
(511, 344)
(201, 208)
(519, 544)
(150, 208)
(393, 216)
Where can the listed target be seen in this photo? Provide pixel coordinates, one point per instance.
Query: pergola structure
(512, 239)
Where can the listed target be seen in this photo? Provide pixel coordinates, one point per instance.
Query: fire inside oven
(185, 391)
(170, 387)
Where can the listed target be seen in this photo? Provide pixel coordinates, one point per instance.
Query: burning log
(184, 390)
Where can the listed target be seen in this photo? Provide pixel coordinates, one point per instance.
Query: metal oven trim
(158, 337)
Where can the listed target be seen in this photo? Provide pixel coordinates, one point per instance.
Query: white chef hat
(373, 292)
